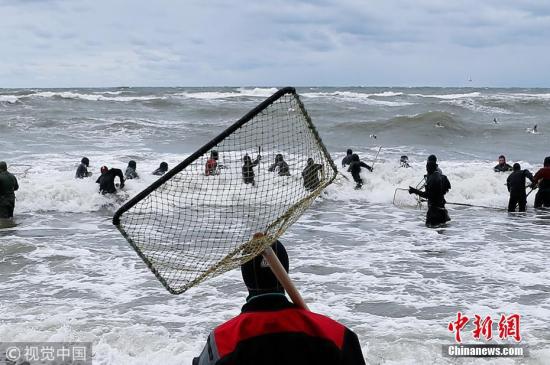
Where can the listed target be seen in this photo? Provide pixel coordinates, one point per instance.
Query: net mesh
(200, 219)
(402, 199)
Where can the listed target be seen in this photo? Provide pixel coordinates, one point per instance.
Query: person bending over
(107, 180)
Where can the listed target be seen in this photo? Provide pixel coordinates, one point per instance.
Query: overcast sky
(73, 43)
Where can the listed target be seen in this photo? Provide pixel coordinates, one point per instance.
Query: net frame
(243, 251)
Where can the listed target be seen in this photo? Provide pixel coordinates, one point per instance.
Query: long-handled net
(197, 221)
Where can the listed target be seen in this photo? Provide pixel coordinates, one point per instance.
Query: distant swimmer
(248, 169)
(131, 172)
(347, 160)
(502, 165)
(437, 185)
(161, 170)
(495, 120)
(355, 169)
(516, 187)
(404, 161)
(8, 186)
(542, 181)
(373, 136)
(535, 129)
(211, 167)
(107, 180)
(439, 125)
(82, 170)
(311, 175)
(280, 165)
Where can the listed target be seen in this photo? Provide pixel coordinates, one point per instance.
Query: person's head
(349, 152)
(163, 166)
(85, 161)
(104, 169)
(310, 161)
(214, 155)
(501, 160)
(547, 162)
(278, 158)
(257, 274)
(247, 159)
(516, 167)
(432, 158)
(3, 166)
(404, 159)
(431, 167)
(355, 157)
(132, 164)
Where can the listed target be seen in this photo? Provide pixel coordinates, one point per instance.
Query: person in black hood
(311, 175)
(516, 187)
(161, 170)
(281, 165)
(8, 186)
(355, 169)
(436, 188)
(107, 180)
(248, 169)
(82, 170)
(131, 172)
(347, 160)
(271, 330)
(502, 165)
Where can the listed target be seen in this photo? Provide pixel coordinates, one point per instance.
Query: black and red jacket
(273, 331)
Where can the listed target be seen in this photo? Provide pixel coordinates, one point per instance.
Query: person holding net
(272, 330)
(248, 169)
(311, 175)
(280, 165)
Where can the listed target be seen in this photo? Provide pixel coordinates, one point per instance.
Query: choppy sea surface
(66, 274)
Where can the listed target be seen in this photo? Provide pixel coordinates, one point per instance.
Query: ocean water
(66, 274)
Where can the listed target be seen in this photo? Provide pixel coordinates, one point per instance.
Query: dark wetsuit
(355, 169)
(435, 193)
(131, 173)
(8, 185)
(516, 187)
(82, 172)
(542, 179)
(273, 331)
(346, 160)
(160, 171)
(107, 181)
(502, 168)
(311, 176)
(282, 166)
(248, 170)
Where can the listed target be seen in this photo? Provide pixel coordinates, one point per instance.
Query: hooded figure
(542, 180)
(271, 330)
(8, 186)
(355, 169)
(248, 169)
(347, 160)
(131, 172)
(311, 175)
(281, 165)
(107, 180)
(161, 170)
(502, 165)
(404, 161)
(211, 167)
(437, 186)
(516, 187)
(82, 170)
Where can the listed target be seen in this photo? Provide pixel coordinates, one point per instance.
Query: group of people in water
(433, 187)
(107, 178)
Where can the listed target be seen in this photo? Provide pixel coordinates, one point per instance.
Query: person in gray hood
(131, 172)
(8, 186)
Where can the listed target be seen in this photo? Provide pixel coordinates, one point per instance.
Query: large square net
(259, 175)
